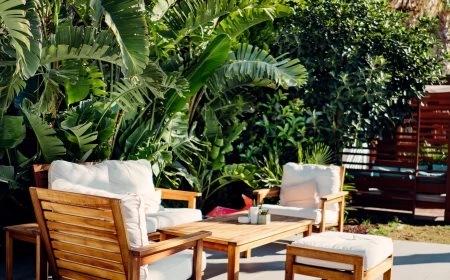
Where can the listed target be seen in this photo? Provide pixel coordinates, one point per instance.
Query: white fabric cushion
(154, 204)
(327, 179)
(374, 249)
(94, 176)
(171, 217)
(175, 267)
(132, 207)
(303, 195)
(134, 176)
(331, 216)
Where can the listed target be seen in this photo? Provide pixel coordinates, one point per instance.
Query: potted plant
(264, 217)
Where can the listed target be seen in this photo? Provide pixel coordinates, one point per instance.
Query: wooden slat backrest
(40, 172)
(84, 236)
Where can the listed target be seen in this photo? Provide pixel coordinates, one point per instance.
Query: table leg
(247, 254)
(233, 262)
(309, 231)
(162, 236)
(41, 260)
(9, 257)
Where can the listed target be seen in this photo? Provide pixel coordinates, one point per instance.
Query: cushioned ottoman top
(374, 249)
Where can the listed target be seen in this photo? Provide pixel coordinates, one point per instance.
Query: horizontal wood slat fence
(407, 169)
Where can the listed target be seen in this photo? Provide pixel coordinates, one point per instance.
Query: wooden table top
(226, 229)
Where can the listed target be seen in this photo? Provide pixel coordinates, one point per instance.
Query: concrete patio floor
(412, 261)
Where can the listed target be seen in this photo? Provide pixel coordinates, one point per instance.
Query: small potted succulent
(264, 217)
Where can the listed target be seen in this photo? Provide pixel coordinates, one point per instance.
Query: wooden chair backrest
(40, 172)
(84, 236)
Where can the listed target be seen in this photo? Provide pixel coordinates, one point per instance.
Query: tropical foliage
(92, 80)
(214, 93)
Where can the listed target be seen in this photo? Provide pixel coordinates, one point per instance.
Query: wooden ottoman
(340, 255)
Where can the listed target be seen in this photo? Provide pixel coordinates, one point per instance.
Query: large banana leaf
(126, 19)
(251, 63)
(81, 43)
(160, 8)
(239, 21)
(12, 131)
(213, 133)
(243, 172)
(181, 140)
(90, 80)
(212, 57)
(7, 176)
(52, 148)
(81, 136)
(141, 135)
(19, 18)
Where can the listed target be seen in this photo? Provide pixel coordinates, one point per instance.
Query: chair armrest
(334, 196)
(190, 197)
(156, 251)
(263, 193)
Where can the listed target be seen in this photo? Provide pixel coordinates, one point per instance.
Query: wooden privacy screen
(407, 169)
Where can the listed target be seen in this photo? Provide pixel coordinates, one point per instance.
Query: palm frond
(239, 21)
(129, 95)
(251, 64)
(22, 24)
(187, 16)
(10, 86)
(126, 19)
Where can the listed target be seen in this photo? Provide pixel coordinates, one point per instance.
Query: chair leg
(289, 269)
(359, 272)
(341, 215)
(387, 274)
(247, 254)
(197, 261)
(41, 260)
(9, 257)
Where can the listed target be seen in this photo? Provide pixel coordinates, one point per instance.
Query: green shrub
(364, 63)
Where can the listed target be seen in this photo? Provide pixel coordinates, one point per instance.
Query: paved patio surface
(412, 261)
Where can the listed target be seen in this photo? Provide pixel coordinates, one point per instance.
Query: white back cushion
(327, 179)
(132, 207)
(302, 195)
(134, 176)
(94, 176)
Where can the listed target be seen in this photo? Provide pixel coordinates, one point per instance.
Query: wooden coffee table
(230, 236)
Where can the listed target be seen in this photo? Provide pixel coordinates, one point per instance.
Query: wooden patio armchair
(85, 238)
(326, 200)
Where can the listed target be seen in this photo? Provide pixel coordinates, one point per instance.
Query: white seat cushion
(175, 267)
(93, 176)
(327, 179)
(133, 212)
(331, 216)
(171, 217)
(374, 249)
